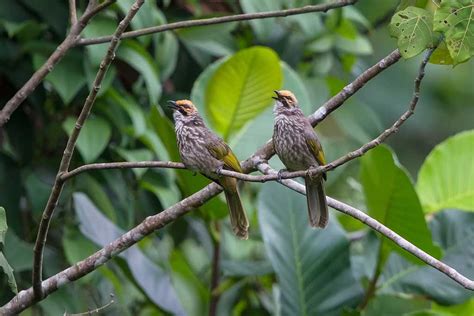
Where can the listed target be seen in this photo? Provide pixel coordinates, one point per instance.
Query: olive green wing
(316, 149)
(220, 150)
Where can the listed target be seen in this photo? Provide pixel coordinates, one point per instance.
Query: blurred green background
(285, 267)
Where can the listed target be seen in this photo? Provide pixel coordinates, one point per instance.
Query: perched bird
(203, 151)
(298, 147)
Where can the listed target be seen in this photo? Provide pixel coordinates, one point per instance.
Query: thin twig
(382, 229)
(95, 310)
(72, 12)
(224, 19)
(66, 159)
(52, 61)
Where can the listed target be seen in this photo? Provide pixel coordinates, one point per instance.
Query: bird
(203, 151)
(298, 147)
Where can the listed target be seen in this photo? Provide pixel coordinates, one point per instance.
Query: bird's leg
(280, 174)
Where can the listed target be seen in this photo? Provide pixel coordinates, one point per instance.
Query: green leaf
(312, 266)
(259, 130)
(138, 57)
(241, 88)
(445, 179)
(67, 77)
(391, 305)
(392, 200)
(455, 18)
(414, 29)
(4, 265)
(94, 136)
(135, 113)
(454, 231)
(98, 26)
(264, 29)
(154, 281)
(136, 155)
(441, 55)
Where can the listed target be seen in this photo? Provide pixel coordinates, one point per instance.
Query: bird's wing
(221, 151)
(315, 147)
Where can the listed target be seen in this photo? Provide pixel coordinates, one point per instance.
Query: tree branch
(55, 58)
(224, 19)
(382, 229)
(340, 97)
(66, 159)
(72, 12)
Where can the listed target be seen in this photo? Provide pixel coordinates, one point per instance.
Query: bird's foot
(311, 172)
(280, 174)
(219, 170)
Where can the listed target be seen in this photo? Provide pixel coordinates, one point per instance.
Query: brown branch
(48, 66)
(26, 298)
(72, 12)
(224, 19)
(66, 159)
(382, 229)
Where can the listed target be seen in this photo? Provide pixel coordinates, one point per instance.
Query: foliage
(416, 28)
(229, 71)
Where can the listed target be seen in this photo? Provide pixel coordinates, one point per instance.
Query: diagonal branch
(382, 229)
(66, 159)
(70, 40)
(224, 19)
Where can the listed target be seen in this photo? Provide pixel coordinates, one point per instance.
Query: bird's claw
(280, 174)
(310, 172)
(219, 170)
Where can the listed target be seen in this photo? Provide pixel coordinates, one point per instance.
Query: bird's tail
(317, 205)
(238, 218)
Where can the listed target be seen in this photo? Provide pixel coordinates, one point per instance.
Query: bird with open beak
(203, 151)
(298, 147)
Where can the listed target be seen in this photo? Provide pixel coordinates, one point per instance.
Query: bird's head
(285, 101)
(183, 109)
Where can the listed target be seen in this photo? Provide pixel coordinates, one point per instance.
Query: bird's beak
(172, 105)
(278, 95)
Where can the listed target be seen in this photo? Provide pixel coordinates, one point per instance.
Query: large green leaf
(138, 57)
(445, 179)
(454, 231)
(312, 266)
(4, 265)
(391, 199)
(94, 136)
(260, 129)
(414, 29)
(154, 280)
(241, 88)
(455, 18)
(67, 77)
(392, 305)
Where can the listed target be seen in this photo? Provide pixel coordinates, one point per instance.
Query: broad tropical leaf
(392, 200)
(241, 88)
(446, 178)
(312, 266)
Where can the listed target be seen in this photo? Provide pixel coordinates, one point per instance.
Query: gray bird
(298, 147)
(203, 151)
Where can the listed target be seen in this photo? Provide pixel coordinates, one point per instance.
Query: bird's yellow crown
(186, 106)
(287, 97)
